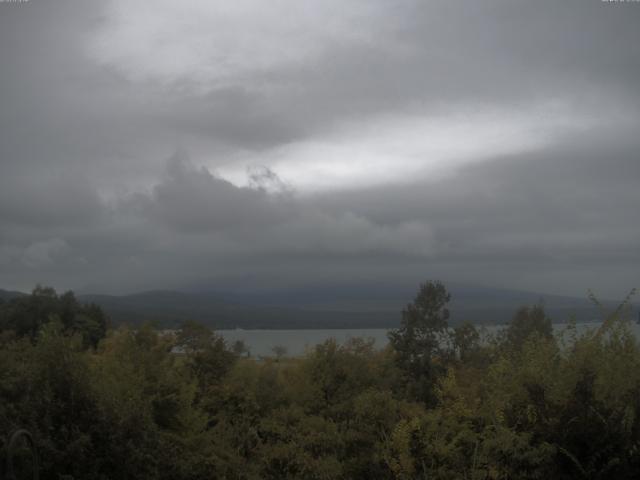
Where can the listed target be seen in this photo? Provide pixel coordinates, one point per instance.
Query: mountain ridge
(316, 308)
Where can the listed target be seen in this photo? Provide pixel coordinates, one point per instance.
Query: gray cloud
(192, 199)
(546, 197)
(44, 253)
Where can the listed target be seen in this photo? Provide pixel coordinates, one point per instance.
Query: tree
(526, 322)
(194, 336)
(418, 341)
(465, 339)
(279, 351)
(207, 353)
(26, 315)
(240, 348)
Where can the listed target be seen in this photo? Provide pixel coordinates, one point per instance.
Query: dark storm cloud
(192, 199)
(94, 99)
(198, 208)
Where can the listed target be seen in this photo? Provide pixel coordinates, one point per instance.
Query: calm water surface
(296, 342)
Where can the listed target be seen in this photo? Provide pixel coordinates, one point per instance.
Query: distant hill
(8, 294)
(324, 308)
(169, 308)
(497, 306)
(329, 308)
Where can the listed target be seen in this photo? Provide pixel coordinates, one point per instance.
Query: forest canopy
(437, 402)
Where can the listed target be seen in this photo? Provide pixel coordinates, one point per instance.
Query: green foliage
(466, 340)
(151, 405)
(207, 355)
(24, 316)
(526, 322)
(418, 342)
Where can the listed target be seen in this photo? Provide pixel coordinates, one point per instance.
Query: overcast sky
(227, 145)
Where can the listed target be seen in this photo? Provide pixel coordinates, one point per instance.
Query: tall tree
(526, 322)
(418, 341)
(24, 316)
(207, 353)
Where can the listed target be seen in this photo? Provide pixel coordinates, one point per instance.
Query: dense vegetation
(436, 403)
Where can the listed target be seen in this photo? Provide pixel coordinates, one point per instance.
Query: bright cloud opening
(403, 149)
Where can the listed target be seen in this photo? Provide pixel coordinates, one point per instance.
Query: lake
(296, 342)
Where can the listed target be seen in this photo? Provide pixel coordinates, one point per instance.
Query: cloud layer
(205, 144)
